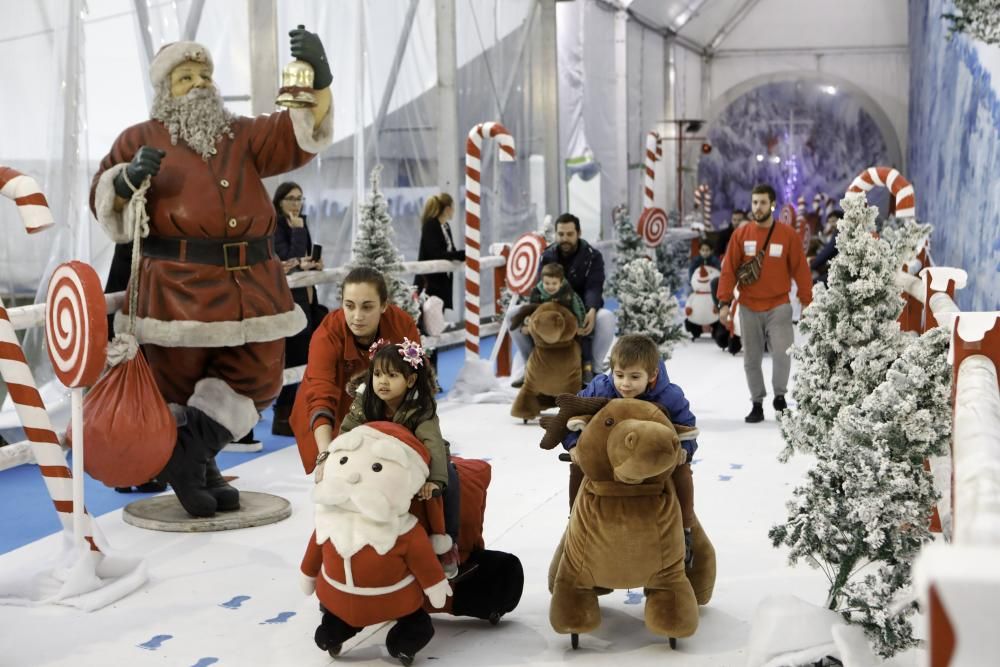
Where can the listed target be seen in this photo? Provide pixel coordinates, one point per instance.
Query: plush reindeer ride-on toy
(372, 559)
(625, 528)
(553, 367)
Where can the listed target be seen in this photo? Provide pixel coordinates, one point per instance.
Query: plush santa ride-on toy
(370, 560)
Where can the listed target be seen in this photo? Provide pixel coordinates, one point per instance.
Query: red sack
(129, 433)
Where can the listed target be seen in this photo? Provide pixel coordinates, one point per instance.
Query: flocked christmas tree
(375, 247)
(870, 417)
(979, 19)
(628, 246)
(864, 513)
(850, 328)
(646, 307)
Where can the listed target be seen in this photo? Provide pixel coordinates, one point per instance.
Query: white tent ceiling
(722, 25)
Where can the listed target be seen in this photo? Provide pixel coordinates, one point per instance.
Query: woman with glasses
(293, 245)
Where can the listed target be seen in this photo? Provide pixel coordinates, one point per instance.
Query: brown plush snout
(639, 450)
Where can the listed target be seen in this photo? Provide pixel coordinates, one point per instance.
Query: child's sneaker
(449, 561)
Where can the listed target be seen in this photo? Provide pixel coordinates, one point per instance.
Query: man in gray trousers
(763, 258)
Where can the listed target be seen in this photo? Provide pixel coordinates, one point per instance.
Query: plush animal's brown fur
(554, 365)
(625, 529)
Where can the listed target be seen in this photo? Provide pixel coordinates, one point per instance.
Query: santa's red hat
(415, 450)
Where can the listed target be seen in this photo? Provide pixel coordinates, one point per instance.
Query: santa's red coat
(369, 588)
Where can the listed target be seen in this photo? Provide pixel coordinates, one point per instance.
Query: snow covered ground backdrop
(232, 598)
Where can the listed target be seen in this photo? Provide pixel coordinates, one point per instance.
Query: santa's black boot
(186, 470)
(410, 634)
(213, 414)
(332, 632)
(227, 497)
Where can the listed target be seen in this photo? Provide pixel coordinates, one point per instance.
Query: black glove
(307, 46)
(145, 163)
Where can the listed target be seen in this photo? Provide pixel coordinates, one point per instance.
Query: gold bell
(297, 86)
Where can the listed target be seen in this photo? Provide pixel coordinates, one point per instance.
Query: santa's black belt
(232, 255)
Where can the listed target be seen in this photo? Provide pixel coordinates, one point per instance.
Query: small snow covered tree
(646, 307)
(672, 259)
(628, 245)
(851, 332)
(906, 237)
(375, 247)
(864, 513)
(548, 229)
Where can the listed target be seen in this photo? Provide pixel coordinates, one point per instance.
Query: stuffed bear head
(552, 324)
(623, 440)
(373, 470)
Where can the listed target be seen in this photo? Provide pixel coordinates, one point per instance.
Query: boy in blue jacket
(638, 372)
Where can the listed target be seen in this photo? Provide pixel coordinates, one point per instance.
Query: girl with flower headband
(400, 388)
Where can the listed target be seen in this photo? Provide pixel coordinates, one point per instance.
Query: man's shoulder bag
(748, 272)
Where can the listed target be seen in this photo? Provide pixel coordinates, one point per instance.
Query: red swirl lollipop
(522, 264)
(652, 226)
(76, 324)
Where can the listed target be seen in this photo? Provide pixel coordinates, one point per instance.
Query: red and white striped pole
(31, 203)
(890, 178)
(654, 153)
(20, 382)
(473, 198)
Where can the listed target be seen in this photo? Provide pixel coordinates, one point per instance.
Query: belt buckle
(225, 256)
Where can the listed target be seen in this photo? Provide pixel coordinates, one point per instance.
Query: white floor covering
(232, 598)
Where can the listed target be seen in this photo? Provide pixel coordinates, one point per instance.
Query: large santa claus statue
(369, 561)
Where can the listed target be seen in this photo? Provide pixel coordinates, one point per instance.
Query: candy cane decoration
(891, 179)
(473, 198)
(654, 153)
(20, 382)
(31, 203)
(703, 201)
(38, 428)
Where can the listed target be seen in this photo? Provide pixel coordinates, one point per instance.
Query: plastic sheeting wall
(955, 150)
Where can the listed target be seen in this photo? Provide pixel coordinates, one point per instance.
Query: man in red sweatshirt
(765, 309)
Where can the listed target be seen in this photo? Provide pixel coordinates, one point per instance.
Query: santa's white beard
(350, 531)
(199, 119)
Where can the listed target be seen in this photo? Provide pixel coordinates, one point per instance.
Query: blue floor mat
(22, 489)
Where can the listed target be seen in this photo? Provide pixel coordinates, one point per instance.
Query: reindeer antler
(570, 405)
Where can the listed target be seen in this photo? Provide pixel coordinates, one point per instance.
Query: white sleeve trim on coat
(312, 138)
(230, 333)
(117, 224)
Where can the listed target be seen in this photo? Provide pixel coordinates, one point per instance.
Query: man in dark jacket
(584, 268)
(820, 265)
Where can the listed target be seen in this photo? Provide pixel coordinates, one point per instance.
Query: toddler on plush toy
(400, 389)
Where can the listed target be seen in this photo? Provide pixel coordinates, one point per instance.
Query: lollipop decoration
(76, 332)
(473, 198)
(523, 262)
(652, 226)
(76, 324)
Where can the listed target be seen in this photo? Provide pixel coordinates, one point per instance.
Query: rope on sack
(125, 346)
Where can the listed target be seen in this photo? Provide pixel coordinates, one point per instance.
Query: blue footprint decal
(156, 642)
(235, 602)
(633, 597)
(736, 466)
(725, 478)
(205, 662)
(280, 618)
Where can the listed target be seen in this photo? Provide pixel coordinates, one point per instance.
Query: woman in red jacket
(338, 359)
